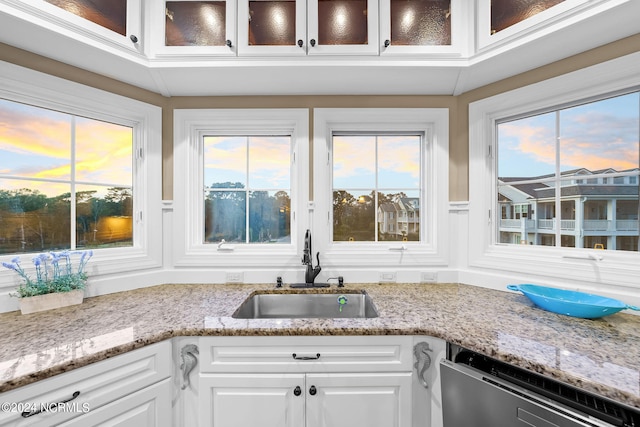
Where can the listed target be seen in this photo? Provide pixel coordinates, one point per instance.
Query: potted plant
(57, 284)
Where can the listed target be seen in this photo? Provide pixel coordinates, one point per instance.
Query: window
(375, 177)
(79, 168)
(579, 135)
(539, 158)
(67, 185)
(380, 186)
(247, 187)
(240, 186)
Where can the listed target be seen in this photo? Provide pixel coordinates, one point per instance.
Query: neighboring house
(599, 212)
(400, 218)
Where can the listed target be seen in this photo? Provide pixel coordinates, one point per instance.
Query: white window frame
(432, 250)
(31, 87)
(587, 266)
(190, 125)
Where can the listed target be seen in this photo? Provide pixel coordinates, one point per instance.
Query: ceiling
(312, 75)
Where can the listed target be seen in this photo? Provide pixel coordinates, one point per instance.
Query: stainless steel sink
(307, 305)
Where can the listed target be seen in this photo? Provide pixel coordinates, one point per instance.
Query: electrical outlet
(429, 277)
(388, 277)
(235, 277)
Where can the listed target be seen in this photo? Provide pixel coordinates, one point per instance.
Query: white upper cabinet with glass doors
(308, 27)
(116, 23)
(193, 28)
(505, 21)
(438, 27)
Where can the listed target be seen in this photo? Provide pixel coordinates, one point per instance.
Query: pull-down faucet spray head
(312, 272)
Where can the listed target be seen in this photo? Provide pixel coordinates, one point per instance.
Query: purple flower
(10, 266)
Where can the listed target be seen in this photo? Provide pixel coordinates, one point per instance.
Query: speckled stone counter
(601, 356)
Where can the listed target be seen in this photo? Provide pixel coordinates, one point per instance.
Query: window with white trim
(240, 186)
(376, 186)
(559, 165)
(247, 187)
(381, 186)
(80, 168)
(66, 185)
(555, 123)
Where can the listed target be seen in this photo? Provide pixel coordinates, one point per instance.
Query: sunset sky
(36, 143)
(269, 162)
(598, 135)
(354, 162)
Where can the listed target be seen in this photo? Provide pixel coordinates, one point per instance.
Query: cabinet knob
(300, 43)
(313, 390)
(387, 43)
(297, 391)
(312, 42)
(229, 44)
(134, 38)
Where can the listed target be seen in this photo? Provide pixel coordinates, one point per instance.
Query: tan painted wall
(458, 105)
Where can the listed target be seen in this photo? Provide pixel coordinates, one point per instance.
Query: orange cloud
(39, 141)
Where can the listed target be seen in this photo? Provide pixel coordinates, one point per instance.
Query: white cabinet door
(149, 407)
(346, 400)
(92, 387)
(272, 27)
(337, 27)
(313, 27)
(265, 400)
(191, 29)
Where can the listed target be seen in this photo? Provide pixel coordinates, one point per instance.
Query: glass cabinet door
(502, 20)
(112, 21)
(505, 13)
(204, 27)
(343, 27)
(422, 26)
(272, 27)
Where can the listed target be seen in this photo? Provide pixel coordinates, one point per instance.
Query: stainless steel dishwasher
(478, 391)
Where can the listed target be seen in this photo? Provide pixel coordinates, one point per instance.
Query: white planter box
(50, 301)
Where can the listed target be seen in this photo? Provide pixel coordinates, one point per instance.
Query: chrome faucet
(312, 272)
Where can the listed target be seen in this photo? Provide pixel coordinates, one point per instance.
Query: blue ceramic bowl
(571, 303)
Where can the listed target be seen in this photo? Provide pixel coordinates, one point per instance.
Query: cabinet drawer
(149, 407)
(306, 354)
(98, 384)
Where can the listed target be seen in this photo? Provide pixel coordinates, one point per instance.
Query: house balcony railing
(627, 225)
(589, 225)
(597, 225)
(550, 224)
(529, 224)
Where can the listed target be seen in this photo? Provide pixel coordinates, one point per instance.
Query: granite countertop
(601, 356)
